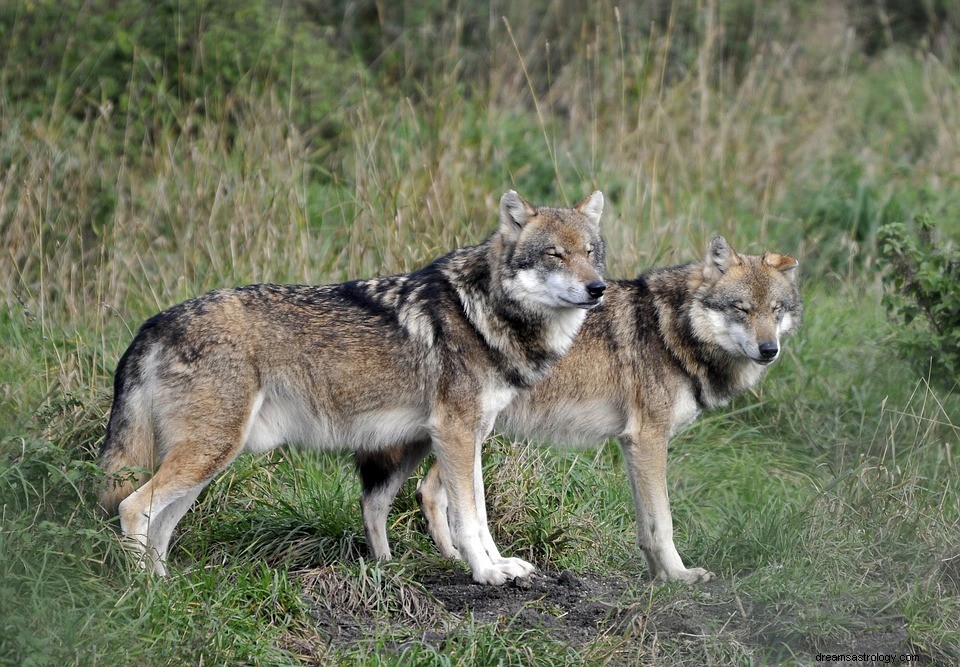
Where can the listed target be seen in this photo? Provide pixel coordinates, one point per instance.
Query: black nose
(596, 289)
(769, 350)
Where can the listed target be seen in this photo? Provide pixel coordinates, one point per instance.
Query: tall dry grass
(97, 234)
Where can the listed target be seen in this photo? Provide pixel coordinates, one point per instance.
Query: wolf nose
(769, 350)
(596, 289)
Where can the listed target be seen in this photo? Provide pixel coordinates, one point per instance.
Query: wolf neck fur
(716, 376)
(525, 341)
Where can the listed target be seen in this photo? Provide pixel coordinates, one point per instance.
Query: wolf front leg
(645, 454)
(457, 449)
(486, 538)
(434, 504)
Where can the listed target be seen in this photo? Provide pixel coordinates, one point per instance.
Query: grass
(827, 501)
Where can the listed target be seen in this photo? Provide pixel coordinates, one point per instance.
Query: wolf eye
(589, 250)
(741, 307)
(553, 252)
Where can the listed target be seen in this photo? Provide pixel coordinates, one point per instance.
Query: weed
(926, 291)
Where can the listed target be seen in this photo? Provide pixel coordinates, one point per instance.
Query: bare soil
(579, 609)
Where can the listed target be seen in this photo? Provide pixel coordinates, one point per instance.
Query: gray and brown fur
(659, 351)
(425, 359)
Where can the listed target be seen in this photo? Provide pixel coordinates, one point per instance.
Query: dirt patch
(579, 610)
(574, 608)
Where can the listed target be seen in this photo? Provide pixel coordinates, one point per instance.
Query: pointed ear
(592, 207)
(782, 263)
(720, 257)
(514, 213)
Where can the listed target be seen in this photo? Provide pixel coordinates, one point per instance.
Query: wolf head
(746, 303)
(554, 256)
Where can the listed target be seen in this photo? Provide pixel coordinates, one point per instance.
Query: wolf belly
(568, 423)
(279, 418)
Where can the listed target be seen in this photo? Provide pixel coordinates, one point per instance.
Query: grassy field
(345, 145)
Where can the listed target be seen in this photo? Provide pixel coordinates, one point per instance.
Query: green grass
(827, 501)
(836, 529)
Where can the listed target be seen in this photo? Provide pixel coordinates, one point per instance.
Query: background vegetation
(150, 151)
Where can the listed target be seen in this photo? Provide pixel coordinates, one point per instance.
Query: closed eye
(553, 252)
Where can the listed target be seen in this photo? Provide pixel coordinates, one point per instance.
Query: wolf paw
(698, 575)
(449, 551)
(693, 575)
(520, 567)
(504, 570)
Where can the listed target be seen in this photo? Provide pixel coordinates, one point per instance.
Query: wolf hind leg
(433, 501)
(140, 514)
(185, 470)
(381, 475)
(160, 530)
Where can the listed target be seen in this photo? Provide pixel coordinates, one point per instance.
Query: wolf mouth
(586, 305)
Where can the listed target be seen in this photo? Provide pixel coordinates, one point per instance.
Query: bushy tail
(129, 442)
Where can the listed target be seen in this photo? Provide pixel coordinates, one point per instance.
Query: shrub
(925, 276)
(881, 23)
(104, 57)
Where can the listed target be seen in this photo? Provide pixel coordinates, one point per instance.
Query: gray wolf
(659, 351)
(426, 360)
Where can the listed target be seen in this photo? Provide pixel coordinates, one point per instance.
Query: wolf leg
(382, 475)
(456, 449)
(149, 515)
(486, 538)
(161, 528)
(433, 501)
(646, 460)
(432, 497)
(141, 514)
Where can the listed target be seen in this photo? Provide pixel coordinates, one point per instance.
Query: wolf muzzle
(768, 351)
(596, 289)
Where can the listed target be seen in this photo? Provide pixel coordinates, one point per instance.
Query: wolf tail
(130, 439)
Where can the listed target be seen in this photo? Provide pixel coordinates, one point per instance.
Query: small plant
(925, 275)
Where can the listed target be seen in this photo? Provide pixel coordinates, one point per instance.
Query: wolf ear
(592, 207)
(720, 257)
(782, 263)
(514, 213)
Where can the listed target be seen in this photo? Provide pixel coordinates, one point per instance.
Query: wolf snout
(768, 351)
(596, 289)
